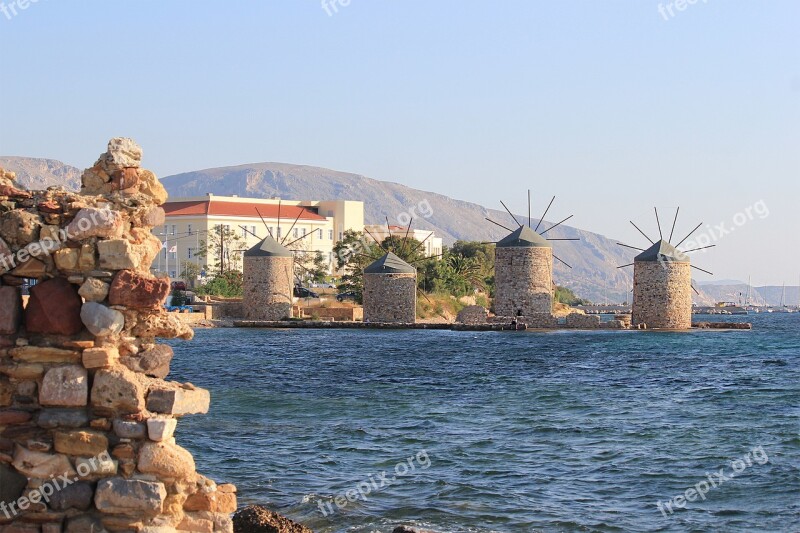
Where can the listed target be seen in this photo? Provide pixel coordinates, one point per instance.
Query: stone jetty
(87, 421)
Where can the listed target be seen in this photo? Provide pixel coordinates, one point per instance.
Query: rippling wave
(525, 431)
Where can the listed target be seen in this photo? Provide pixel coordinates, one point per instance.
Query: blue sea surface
(504, 431)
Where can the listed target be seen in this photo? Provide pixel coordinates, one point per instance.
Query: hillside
(594, 258)
(36, 174)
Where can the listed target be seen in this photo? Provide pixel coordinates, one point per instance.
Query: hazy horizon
(615, 108)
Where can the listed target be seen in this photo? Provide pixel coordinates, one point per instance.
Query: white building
(189, 220)
(432, 245)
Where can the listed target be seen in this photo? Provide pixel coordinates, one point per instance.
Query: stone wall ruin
(87, 420)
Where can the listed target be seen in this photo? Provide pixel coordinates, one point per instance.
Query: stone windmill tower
(268, 274)
(524, 269)
(390, 291)
(267, 281)
(662, 282)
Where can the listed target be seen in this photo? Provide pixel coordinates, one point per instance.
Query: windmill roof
(524, 237)
(390, 264)
(269, 247)
(662, 251)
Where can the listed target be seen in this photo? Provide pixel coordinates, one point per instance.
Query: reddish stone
(8, 190)
(134, 289)
(10, 417)
(54, 308)
(126, 179)
(10, 310)
(50, 206)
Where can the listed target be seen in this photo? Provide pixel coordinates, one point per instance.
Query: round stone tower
(662, 288)
(267, 281)
(523, 274)
(390, 291)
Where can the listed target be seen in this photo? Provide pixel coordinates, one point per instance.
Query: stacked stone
(267, 281)
(662, 288)
(390, 291)
(524, 277)
(86, 420)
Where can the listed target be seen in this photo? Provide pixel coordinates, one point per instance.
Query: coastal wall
(267, 287)
(390, 298)
(662, 294)
(87, 420)
(523, 281)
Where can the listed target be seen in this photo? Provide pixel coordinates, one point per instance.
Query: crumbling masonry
(86, 418)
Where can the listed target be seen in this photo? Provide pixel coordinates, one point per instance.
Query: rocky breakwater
(87, 421)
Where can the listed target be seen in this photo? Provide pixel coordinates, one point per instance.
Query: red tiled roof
(237, 209)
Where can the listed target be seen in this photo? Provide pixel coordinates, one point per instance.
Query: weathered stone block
(10, 310)
(118, 390)
(42, 354)
(128, 429)
(166, 460)
(100, 320)
(10, 417)
(12, 485)
(178, 401)
(93, 222)
(65, 386)
(138, 290)
(161, 428)
(76, 496)
(118, 254)
(153, 362)
(94, 290)
(62, 418)
(130, 496)
(54, 308)
(85, 443)
(67, 259)
(104, 357)
(41, 465)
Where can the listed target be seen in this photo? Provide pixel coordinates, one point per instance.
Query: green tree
(190, 272)
(227, 284)
(222, 249)
(566, 296)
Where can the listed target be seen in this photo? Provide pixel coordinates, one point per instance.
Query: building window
(319, 234)
(304, 232)
(253, 230)
(296, 232)
(341, 236)
(189, 229)
(172, 274)
(330, 234)
(244, 232)
(174, 229)
(278, 233)
(190, 253)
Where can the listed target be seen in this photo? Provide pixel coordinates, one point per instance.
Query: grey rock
(76, 496)
(62, 418)
(100, 320)
(127, 429)
(130, 496)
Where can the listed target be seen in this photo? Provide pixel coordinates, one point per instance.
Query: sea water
(364, 430)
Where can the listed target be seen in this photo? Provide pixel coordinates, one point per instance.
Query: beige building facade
(315, 225)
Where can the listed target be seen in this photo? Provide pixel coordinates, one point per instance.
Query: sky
(615, 107)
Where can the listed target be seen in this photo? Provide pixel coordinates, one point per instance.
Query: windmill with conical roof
(524, 268)
(662, 281)
(268, 274)
(390, 288)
